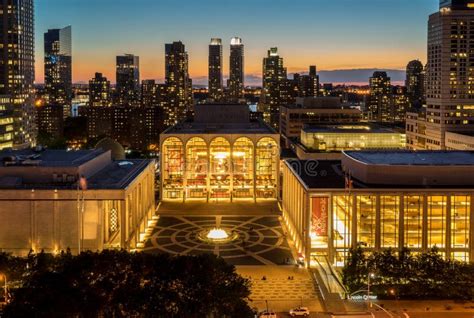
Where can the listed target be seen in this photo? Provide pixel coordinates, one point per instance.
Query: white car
(267, 314)
(299, 312)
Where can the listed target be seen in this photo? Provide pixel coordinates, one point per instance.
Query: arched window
(243, 168)
(197, 161)
(220, 168)
(173, 168)
(267, 154)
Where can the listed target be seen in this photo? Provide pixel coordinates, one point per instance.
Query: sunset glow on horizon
(368, 34)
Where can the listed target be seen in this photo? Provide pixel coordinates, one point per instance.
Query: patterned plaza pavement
(261, 239)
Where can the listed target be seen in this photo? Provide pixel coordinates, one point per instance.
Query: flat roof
(254, 127)
(50, 158)
(418, 158)
(464, 133)
(350, 129)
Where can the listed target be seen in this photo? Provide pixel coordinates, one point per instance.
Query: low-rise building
(328, 141)
(463, 140)
(378, 200)
(53, 200)
(315, 110)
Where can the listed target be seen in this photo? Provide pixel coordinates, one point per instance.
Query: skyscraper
(99, 91)
(17, 71)
(58, 68)
(276, 87)
(180, 92)
(379, 103)
(415, 80)
(149, 93)
(128, 80)
(449, 72)
(216, 88)
(307, 85)
(236, 71)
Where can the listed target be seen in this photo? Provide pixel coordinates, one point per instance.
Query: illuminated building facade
(216, 84)
(379, 200)
(213, 159)
(53, 200)
(337, 138)
(17, 71)
(276, 89)
(307, 85)
(315, 110)
(450, 69)
(6, 122)
(99, 91)
(179, 85)
(379, 102)
(149, 93)
(135, 128)
(236, 71)
(415, 83)
(50, 120)
(58, 68)
(128, 80)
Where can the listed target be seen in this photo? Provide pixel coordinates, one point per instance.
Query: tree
(122, 284)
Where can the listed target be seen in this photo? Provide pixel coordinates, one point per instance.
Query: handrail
(336, 276)
(325, 274)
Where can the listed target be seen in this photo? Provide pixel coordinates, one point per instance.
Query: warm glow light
(217, 234)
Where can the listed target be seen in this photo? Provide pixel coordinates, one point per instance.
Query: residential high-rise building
(17, 66)
(306, 85)
(216, 88)
(149, 93)
(6, 122)
(236, 71)
(415, 83)
(50, 119)
(276, 89)
(450, 69)
(128, 80)
(180, 91)
(379, 105)
(58, 68)
(99, 91)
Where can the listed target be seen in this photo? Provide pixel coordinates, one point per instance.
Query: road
(411, 315)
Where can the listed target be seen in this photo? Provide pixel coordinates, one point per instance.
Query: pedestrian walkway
(284, 287)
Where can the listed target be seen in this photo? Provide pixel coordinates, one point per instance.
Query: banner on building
(319, 219)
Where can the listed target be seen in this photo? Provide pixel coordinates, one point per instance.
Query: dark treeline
(122, 284)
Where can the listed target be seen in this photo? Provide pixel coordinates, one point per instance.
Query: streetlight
(5, 289)
(371, 275)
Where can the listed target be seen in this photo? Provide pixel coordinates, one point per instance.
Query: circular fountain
(217, 235)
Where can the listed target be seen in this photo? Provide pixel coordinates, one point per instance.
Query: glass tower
(58, 68)
(17, 71)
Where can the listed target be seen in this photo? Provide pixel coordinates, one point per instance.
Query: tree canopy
(122, 284)
(406, 275)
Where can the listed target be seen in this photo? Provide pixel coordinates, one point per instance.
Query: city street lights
(5, 289)
(371, 275)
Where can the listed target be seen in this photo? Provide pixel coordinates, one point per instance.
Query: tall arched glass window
(267, 167)
(173, 168)
(220, 168)
(197, 158)
(243, 168)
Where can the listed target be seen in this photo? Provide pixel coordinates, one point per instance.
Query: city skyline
(304, 34)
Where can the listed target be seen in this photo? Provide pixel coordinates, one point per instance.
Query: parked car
(299, 312)
(267, 314)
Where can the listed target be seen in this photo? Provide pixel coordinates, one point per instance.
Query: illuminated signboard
(319, 218)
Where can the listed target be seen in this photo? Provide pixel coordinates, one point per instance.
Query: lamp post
(371, 275)
(5, 289)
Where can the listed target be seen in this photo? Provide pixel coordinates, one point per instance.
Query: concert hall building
(220, 156)
(379, 200)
